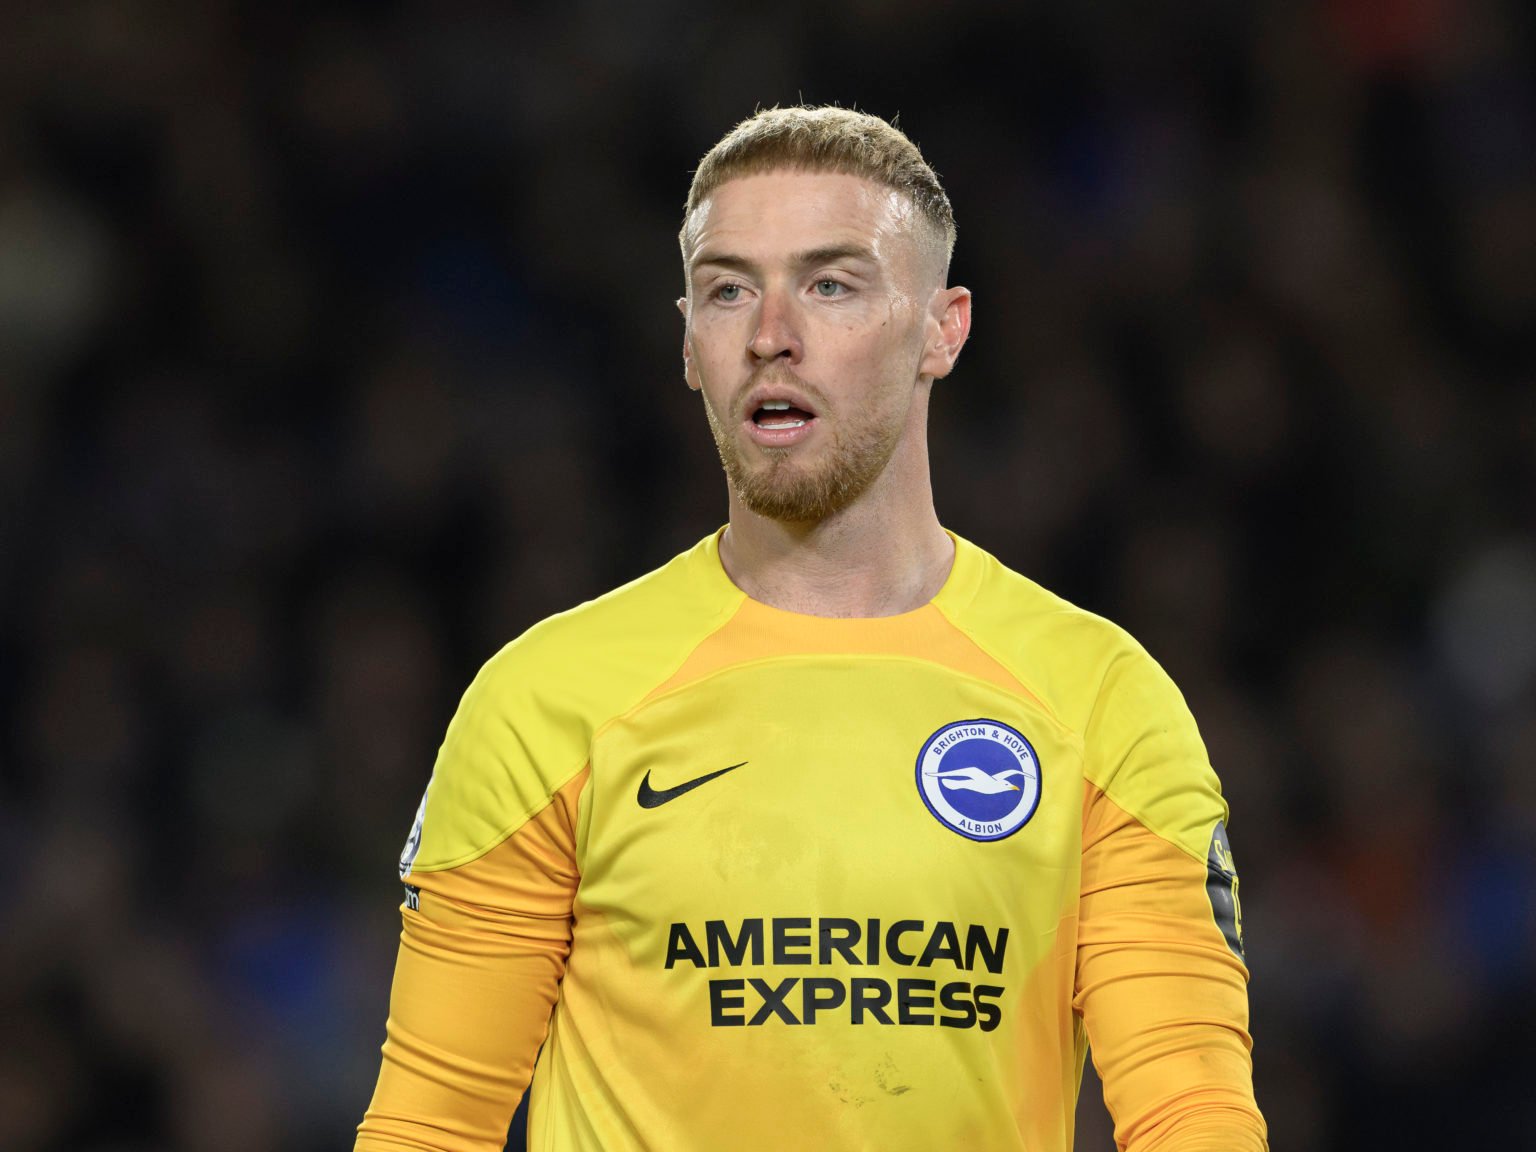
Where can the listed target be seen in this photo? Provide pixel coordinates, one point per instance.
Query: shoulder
(1064, 654)
(524, 727)
(634, 630)
(1140, 744)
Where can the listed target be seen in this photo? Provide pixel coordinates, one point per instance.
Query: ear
(949, 324)
(688, 374)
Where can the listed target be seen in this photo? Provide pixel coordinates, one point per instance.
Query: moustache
(774, 376)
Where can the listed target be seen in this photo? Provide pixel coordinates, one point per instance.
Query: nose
(778, 333)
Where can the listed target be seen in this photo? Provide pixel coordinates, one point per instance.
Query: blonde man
(833, 832)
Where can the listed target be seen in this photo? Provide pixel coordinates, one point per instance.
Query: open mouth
(775, 415)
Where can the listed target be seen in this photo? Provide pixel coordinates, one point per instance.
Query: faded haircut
(824, 139)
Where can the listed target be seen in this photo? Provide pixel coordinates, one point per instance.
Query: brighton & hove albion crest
(980, 778)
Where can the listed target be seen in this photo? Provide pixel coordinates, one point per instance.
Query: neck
(880, 556)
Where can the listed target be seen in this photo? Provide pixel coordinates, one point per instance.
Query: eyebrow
(806, 259)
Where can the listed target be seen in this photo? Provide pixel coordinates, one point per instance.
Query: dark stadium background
(337, 346)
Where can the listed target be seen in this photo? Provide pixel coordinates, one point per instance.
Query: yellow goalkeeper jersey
(717, 876)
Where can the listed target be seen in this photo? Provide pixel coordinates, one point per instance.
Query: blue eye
(828, 288)
(730, 293)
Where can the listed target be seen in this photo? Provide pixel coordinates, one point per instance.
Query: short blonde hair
(825, 139)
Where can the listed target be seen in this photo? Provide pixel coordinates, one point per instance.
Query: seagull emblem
(973, 779)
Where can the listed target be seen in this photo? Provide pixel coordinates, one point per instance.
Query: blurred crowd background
(337, 346)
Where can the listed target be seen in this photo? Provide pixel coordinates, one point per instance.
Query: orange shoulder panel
(480, 962)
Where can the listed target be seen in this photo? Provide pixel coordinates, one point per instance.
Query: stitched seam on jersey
(503, 837)
(1151, 831)
(650, 693)
(1012, 670)
(1131, 814)
(654, 692)
(586, 761)
(1091, 776)
(883, 657)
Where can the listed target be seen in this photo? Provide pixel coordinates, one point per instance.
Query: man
(833, 832)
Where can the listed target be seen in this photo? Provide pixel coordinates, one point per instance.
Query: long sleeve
(1162, 993)
(1161, 982)
(480, 962)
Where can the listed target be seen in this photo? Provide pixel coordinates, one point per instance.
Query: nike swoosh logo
(651, 798)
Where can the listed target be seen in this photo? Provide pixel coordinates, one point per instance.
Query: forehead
(788, 212)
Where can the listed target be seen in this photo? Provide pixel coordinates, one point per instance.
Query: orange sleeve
(1163, 996)
(479, 966)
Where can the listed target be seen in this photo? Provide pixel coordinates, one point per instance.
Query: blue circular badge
(979, 778)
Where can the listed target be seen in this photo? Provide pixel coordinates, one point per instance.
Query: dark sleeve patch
(413, 841)
(413, 897)
(1221, 886)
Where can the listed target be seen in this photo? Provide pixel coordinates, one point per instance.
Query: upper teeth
(776, 405)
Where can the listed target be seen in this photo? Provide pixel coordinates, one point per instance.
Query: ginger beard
(785, 489)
